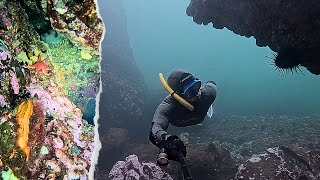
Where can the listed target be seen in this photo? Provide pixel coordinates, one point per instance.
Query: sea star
(40, 65)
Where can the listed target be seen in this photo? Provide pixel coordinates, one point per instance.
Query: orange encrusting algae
(23, 119)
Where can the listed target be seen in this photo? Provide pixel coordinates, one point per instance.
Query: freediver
(187, 105)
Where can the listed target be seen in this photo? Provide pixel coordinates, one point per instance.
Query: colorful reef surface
(49, 71)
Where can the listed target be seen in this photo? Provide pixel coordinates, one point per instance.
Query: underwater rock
(184, 138)
(124, 90)
(115, 138)
(48, 138)
(16, 37)
(131, 168)
(245, 135)
(84, 98)
(205, 162)
(122, 102)
(272, 23)
(90, 111)
(114, 141)
(284, 162)
(78, 20)
(209, 162)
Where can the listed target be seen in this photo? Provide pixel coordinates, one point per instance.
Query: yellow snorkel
(175, 95)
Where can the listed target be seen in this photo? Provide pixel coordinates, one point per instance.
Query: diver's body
(170, 111)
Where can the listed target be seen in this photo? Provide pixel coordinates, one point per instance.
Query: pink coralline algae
(58, 143)
(61, 108)
(14, 82)
(60, 140)
(132, 169)
(2, 101)
(68, 137)
(3, 55)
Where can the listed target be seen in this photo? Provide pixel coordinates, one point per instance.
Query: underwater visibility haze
(164, 38)
(265, 122)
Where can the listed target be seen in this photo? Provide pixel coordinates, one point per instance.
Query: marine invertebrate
(75, 167)
(69, 159)
(37, 129)
(60, 107)
(40, 65)
(287, 60)
(24, 134)
(61, 141)
(271, 23)
(131, 168)
(55, 105)
(23, 120)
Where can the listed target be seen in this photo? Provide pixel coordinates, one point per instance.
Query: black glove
(174, 146)
(212, 82)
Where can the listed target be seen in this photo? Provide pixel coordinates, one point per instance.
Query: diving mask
(192, 88)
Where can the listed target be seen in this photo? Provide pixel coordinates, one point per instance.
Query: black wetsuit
(171, 111)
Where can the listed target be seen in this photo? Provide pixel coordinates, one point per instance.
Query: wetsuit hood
(178, 79)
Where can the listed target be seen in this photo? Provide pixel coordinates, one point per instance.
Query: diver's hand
(212, 82)
(174, 147)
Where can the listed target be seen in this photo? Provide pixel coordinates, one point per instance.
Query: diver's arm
(160, 123)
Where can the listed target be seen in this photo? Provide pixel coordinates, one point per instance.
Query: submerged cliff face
(122, 100)
(123, 85)
(290, 28)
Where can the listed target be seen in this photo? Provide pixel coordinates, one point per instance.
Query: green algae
(70, 69)
(22, 57)
(74, 150)
(8, 175)
(7, 145)
(7, 138)
(87, 128)
(44, 150)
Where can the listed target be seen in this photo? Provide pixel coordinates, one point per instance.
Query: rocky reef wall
(124, 92)
(290, 28)
(49, 70)
(122, 100)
